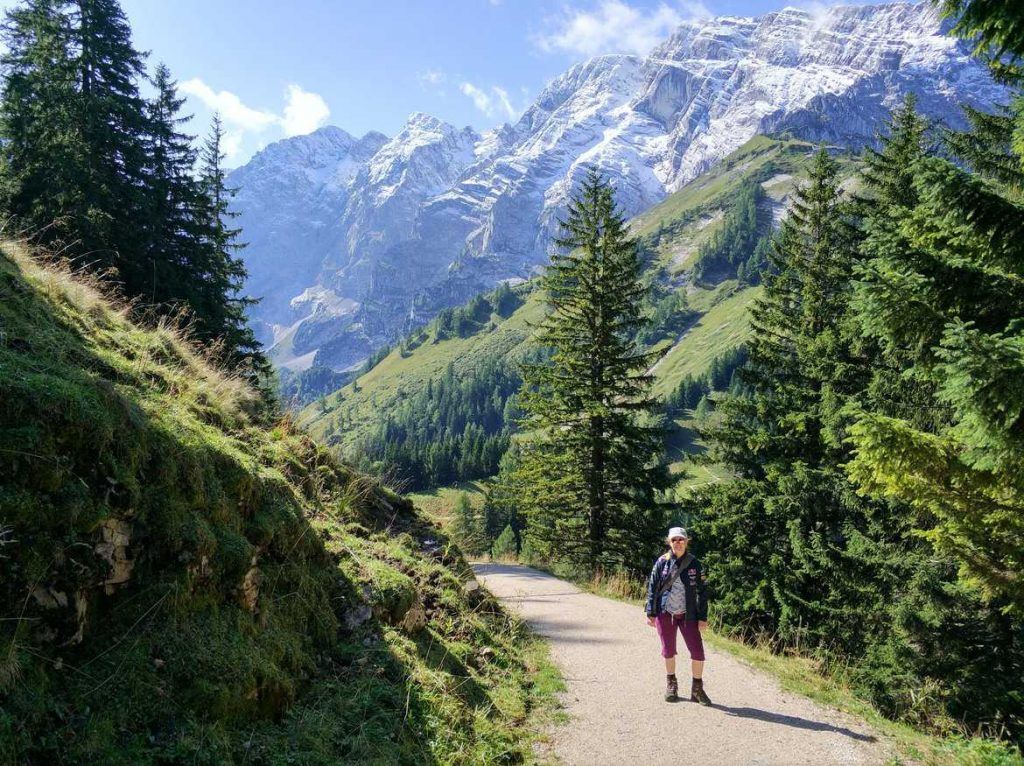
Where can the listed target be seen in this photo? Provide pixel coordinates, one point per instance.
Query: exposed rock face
(290, 196)
(250, 588)
(415, 619)
(115, 536)
(436, 214)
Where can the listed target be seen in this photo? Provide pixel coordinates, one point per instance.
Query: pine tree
(95, 172)
(467, 526)
(779, 536)
(505, 545)
(39, 150)
(944, 292)
(74, 123)
(590, 471)
(110, 119)
(222, 305)
(996, 28)
(173, 196)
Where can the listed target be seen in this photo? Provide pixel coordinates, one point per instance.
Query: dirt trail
(615, 683)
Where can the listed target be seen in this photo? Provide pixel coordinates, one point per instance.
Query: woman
(677, 598)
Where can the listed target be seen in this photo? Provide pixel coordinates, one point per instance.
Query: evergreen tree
(779, 536)
(171, 236)
(738, 244)
(943, 292)
(996, 28)
(591, 467)
(467, 526)
(221, 306)
(74, 127)
(97, 173)
(42, 147)
(505, 545)
(111, 117)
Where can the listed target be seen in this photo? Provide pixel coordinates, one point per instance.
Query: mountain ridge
(398, 252)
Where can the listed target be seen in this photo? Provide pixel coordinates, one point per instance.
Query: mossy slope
(180, 583)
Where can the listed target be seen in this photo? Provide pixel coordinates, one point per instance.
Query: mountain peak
(424, 121)
(435, 194)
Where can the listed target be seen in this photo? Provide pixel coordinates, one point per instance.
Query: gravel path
(615, 680)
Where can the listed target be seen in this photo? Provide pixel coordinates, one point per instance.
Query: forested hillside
(181, 581)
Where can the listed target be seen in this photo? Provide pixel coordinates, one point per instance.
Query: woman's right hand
(650, 621)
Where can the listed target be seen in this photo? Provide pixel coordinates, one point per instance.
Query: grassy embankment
(180, 581)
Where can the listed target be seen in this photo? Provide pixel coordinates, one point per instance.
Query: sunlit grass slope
(181, 582)
(360, 404)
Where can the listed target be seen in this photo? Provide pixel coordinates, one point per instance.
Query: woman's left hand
(702, 625)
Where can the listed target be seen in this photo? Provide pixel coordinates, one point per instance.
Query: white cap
(677, 532)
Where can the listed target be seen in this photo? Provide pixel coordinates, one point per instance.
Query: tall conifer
(174, 198)
(223, 304)
(780, 535)
(592, 464)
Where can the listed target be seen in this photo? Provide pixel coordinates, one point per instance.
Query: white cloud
(432, 78)
(614, 26)
(494, 103)
(480, 99)
(230, 106)
(231, 145)
(304, 112)
(502, 96)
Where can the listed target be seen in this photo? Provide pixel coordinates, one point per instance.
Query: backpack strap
(683, 562)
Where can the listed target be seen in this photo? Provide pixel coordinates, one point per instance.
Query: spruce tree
(41, 150)
(944, 291)
(93, 171)
(468, 526)
(222, 305)
(173, 201)
(779, 536)
(74, 154)
(591, 465)
(110, 117)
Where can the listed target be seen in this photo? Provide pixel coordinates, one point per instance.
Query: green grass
(804, 676)
(438, 504)
(725, 177)
(680, 223)
(358, 405)
(191, 583)
(720, 327)
(397, 376)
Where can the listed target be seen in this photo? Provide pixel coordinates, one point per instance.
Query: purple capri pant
(666, 625)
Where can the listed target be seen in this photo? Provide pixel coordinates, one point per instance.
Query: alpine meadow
(320, 448)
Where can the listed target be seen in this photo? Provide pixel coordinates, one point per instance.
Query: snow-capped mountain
(388, 232)
(289, 200)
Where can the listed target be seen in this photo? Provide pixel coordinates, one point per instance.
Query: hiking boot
(697, 692)
(672, 691)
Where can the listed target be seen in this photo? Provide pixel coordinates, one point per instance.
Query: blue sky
(276, 68)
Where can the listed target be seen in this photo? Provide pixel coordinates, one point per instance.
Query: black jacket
(694, 583)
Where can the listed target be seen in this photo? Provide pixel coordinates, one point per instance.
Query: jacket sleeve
(651, 581)
(702, 594)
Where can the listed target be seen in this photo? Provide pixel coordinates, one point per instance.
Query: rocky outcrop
(115, 537)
